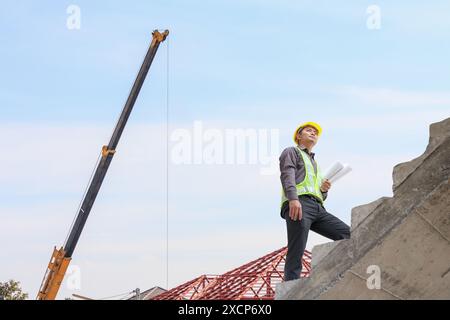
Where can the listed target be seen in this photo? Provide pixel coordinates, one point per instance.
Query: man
(304, 191)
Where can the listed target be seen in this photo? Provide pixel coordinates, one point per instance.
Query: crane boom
(60, 258)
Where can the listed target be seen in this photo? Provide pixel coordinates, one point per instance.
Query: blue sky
(233, 64)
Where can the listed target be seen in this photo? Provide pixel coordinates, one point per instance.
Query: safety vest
(312, 182)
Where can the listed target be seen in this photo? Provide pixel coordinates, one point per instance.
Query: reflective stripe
(312, 181)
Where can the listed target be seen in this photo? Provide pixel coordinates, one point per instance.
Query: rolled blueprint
(337, 171)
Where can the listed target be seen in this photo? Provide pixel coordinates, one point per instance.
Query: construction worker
(304, 191)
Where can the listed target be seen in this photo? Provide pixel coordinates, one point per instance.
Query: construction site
(203, 205)
(407, 236)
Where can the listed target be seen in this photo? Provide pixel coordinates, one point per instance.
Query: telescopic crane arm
(61, 258)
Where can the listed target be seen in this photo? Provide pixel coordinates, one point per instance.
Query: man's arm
(288, 165)
(326, 185)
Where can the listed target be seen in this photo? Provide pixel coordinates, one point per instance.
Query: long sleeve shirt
(292, 170)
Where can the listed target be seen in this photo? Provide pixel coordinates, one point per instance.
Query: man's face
(309, 134)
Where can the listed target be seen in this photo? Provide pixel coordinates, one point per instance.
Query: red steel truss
(255, 280)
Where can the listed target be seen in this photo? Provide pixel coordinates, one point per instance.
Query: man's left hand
(326, 185)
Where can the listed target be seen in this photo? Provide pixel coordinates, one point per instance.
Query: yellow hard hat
(312, 124)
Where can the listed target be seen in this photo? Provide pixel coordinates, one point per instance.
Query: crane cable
(82, 198)
(167, 163)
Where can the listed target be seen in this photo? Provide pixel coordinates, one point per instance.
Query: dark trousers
(314, 218)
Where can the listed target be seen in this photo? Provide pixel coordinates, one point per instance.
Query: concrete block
(360, 213)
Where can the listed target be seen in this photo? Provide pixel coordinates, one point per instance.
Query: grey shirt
(292, 170)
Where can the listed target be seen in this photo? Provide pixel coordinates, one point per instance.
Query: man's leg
(297, 233)
(330, 226)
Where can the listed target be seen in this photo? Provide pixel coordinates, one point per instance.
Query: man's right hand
(295, 210)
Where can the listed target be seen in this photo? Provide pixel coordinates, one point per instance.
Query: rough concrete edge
(343, 263)
(397, 219)
(282, 289)
(317, 292)
(361, 212)
(403, 170)
(416, 211)
(319, 251)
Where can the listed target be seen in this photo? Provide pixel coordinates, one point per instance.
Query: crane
(61, 257)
